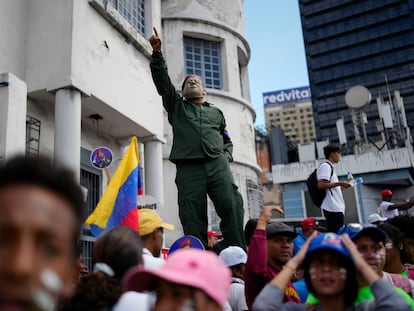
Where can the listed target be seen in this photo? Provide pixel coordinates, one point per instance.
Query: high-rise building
(348, 43)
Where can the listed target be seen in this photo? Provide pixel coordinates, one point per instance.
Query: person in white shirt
(333, 206)
(390, 210)
(151, 230)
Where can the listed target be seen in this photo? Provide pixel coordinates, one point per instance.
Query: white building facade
(74, 75)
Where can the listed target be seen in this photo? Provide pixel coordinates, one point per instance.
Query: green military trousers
(194, 181)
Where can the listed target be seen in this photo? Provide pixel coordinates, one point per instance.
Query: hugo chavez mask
(193, 87)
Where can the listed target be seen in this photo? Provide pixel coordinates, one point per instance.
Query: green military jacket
(199, 131)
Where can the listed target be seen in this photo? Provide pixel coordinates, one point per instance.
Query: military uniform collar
(202, 104)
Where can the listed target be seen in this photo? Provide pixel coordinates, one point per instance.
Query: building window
(254, 196)
(32, 136)
(92, 182)
(202, 58)
(241, 80)
(133, 11)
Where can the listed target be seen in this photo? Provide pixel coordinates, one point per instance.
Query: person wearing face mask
(202, 151)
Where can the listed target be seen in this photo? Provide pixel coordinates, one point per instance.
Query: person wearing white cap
(376, 219)
(235, 258)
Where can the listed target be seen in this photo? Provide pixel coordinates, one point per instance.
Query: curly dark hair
(405, 223)
(94, 292)
(398, 239)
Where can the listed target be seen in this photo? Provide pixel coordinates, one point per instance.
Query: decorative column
(68, 129)
(13, 107)
(154, 184)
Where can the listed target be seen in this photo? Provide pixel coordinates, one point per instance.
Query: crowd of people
(360, 267)
(267, 266)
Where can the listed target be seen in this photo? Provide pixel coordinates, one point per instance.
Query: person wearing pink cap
(202, 152)
(191, 279)
(390, 210)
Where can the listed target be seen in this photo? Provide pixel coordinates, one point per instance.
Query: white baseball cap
(373, 218)
(233, 255)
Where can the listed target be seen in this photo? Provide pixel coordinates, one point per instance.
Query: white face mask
(193, 88)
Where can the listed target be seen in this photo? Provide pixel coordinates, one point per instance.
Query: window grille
(92, 182)
(133, 11)
(91, 179)
(86, 244)
(254, 197)
(203, 58)
(32, 136)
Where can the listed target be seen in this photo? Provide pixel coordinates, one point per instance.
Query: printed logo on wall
(101, 157)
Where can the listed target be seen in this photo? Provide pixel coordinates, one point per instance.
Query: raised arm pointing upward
(202, 150)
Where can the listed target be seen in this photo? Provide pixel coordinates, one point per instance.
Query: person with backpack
(333, 205)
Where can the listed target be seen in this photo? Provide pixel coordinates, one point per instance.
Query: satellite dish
(357, 97)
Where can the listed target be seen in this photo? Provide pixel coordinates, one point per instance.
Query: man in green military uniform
(201, 150)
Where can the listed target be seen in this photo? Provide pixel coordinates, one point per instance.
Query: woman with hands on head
(330, 262)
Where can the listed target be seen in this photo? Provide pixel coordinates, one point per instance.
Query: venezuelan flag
(226, 132)
(118, 204)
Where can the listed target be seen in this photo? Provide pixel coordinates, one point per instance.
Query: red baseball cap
(309, 223)
(213, 233)
(386, 193)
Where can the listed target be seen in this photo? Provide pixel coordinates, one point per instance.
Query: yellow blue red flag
(118, 204)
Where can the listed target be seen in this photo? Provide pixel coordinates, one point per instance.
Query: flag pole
(107, 175)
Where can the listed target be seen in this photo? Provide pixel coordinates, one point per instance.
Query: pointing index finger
(155, 31)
